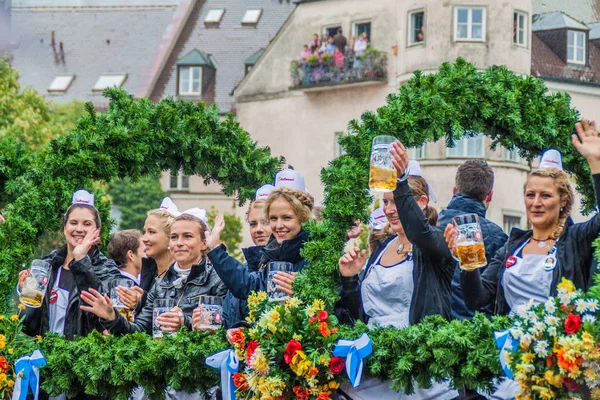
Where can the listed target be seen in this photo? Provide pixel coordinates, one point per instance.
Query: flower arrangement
(288, 351)
(557, 352)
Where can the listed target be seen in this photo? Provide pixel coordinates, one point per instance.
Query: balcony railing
(323, 71)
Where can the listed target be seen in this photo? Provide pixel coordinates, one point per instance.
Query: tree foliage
(232, 234)
(135, 198)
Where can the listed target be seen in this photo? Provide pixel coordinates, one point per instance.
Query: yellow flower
(590, 374)
(567, 285)
(3, 378)
(259, 362)
(273, 316)
(2, 341)
(292, 302)
(262, 296)
(554, 380)
(297, 337)
(310, 311)
(1, 317)
(527, 357)
(38, 338)
(595, 393)
(272, 327)
(14, 317)
(21, 307)
(588, 341)
(318, 305)
(333, 385)
(10, 351)
(11, 383)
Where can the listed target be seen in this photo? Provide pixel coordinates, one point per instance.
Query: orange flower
(4, 365)
(324, 329)
(569, 366)
(334, 330)
(238, 337)
(239, 380)
(313, 371)
(300, 392)
(324, 396)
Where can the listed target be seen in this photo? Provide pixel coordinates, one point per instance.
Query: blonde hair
(166, 218)
(254, 205)
(376, 237)
(561, 181)
(418, 187)
(301, 202)
(202, 227)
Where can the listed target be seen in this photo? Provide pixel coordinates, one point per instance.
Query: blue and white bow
(506, 344)
(227, 362)
(354, 351)
(28, 375)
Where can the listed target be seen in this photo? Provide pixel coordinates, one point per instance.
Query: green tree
(135, 198)
(232, 234)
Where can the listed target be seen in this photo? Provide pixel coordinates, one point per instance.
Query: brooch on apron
(53, 296)
(510, 261)
(550, 263)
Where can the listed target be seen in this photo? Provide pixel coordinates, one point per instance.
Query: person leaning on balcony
(189, 277)
(315, 44)
(406, 279)
(304, 54)
(349, 54)
(532, 263)
(340, 40)
(76, 267)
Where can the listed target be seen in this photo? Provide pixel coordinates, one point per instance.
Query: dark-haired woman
(405, 280)
(76, 267)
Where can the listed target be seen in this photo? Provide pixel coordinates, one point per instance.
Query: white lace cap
(290, 178)
(83, 197)
(551, 159)
(170, 207)
(414, 169)
(199, 213)
(263, 192)
(377, 220)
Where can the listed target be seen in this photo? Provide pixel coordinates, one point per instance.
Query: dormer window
(61, 83)
(251, 17)
(576, 47)
(193, 71)
(213, 17)
(108, 81)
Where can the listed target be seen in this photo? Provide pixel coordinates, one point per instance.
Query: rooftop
(555, 20)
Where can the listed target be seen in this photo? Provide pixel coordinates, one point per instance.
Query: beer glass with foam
(211, 309)
(469, 242)
(34, 287)
(382, 174)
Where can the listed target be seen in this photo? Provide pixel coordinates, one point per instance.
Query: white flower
(532, 316)
(526, 340)
(541, 348)
(551, 320)
(589, 318)
(564, 298)
(516, 333)
(561, 290)
(580, 305)
(528, 368)
(552, 331)
(550, 306)
(521, 310)
(592, 305)
(539, 326)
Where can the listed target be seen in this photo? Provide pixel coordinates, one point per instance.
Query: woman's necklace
(541, 242)
(402, 246)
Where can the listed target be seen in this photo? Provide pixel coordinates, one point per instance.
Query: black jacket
(575, 262)
(433, 265)
(242, 280)
(493, 239)
(202, 281)
(93, 271)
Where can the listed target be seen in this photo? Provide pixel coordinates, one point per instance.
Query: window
(520, 28)
(331, 30)
(510, 221)
(179, 181)
(360, 27)
(252, 16)
(61, 83)
(190, 79)
(417, 153)
(337, 149)
(416, 27)
(512, 155)
(109, 80)
(576, 47)
(468, 147)
(214, 17)
(469, 24)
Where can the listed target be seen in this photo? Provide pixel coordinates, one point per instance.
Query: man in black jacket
(472, 195)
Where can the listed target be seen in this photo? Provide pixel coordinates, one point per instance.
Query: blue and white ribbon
(28, 375)
(506, 344)
(227, 362)
(354, 351)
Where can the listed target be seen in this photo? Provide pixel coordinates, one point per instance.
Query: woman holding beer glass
(178, 292)
(76, 267)
(406, 279)
(533, 262)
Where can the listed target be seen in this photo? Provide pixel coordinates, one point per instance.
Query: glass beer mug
(34, 287)
(382, 174)
(469, 242)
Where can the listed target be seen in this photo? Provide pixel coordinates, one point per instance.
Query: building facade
(301, 118)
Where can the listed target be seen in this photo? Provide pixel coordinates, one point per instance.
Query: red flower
(324, 396)
(572, 324)
(238, 337)
(323, 315)
(551, 360)
(250, 349)
(336, 365)
(239, 380)
(300, 392)
(312, 319)
(4, 365)
(292, 347)
(571, 384)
